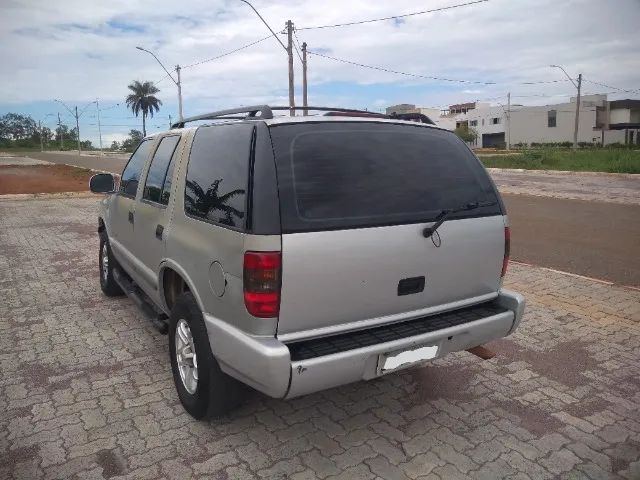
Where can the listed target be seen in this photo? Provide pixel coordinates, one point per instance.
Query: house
(601, 121)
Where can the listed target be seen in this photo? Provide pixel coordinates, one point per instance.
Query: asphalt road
(595, 239)
(591, 238)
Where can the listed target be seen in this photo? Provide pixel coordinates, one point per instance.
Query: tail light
(262, 283)
(507, 250)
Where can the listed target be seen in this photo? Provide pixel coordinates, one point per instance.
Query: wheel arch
(102, 229)
(172, 281)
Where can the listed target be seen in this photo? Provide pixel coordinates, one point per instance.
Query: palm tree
(142, 100)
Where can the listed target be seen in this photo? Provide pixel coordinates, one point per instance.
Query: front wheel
(204, 390)
(106, 261)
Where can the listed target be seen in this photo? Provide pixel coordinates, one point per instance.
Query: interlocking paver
(86, 388)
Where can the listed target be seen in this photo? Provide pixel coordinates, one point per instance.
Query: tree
(14, 126)
(63, 130)
(143, 100)
(467, 134)
(115, 145)
(135, 137)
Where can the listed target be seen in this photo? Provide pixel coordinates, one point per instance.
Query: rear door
(355, 198)
(122, 208)
(152, 215)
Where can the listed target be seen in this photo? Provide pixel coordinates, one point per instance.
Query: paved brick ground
(86, 389)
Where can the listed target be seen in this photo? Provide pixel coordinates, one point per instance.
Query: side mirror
(102, 183)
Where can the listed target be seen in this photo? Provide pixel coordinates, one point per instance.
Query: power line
(360, 22)
(429, 77)
(162, 79)
(228, 53)
(388, 70)
(297, 47)
(609, 86)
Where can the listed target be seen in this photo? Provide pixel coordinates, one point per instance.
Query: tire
(214, 393)
(107, 282)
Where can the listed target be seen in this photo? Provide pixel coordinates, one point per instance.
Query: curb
(575, 275)
(505, 190)
(562, 172)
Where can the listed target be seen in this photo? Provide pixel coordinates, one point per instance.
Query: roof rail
(264, 110)
(416, 117)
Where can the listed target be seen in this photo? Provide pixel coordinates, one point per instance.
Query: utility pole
(179, 84)
(304, 78)
(575, 130)
(60, 130)
(78, 128)
(99, 126)
(292, 102)
(509, 121)
(169, 121)
(578, 86)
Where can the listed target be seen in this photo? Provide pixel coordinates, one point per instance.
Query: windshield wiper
(444, 214)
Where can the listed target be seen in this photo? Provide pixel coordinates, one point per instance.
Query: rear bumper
(266, 364)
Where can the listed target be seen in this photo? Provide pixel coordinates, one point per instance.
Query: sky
(80, 51)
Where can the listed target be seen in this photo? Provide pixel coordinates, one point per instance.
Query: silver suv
(297, 253)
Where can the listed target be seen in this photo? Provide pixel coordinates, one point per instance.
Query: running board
(158, 319)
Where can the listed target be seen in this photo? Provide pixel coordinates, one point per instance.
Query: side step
(159, 319)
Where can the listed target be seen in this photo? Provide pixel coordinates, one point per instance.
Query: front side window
(218, 174)
(131, 173)
(154, 187)
(551, 118)
(353, 175)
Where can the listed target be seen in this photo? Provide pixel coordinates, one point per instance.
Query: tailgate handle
(407, 286)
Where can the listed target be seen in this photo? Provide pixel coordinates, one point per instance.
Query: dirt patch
(111, 462)
(432, 383)
(43, 179)
(564, 363)
(534, 419)
(17, 455)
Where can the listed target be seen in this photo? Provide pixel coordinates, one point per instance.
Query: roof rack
(266, 112)
(231, 114)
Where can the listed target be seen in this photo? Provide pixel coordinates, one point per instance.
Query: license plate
(395, 360)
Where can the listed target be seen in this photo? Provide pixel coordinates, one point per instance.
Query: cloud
(500, 41)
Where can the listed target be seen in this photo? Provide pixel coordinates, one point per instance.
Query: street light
(177, 82)
(288, 49)
(578, 86)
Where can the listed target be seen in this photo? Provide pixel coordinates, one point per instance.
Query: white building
(601, 121)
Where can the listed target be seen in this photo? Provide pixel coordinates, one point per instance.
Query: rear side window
(131, 173)
(350, 175)
(155, 187)
(218, 174)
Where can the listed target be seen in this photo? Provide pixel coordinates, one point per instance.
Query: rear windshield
(349, 175)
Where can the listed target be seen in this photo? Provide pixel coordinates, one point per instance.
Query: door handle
(130, 217)
(159, 231)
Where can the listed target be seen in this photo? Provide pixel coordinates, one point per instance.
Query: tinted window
(348, 175)
(218, 173)
(153, 187)
(131, 173)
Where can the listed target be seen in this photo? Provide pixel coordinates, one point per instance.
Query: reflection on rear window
(347, 175)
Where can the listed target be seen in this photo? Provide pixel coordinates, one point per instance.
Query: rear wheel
(204, 390)
(107, 263)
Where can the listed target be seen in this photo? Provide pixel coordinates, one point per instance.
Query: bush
(584, 160)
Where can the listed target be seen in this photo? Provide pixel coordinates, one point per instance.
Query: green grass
(594, 160)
